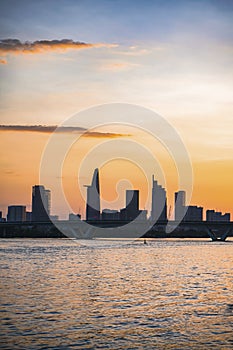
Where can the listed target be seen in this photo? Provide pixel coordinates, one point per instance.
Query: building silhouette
(16, 213)
(212, 215)
(93, 198)
(159, 202)
(180, 208)
(194, 213)
(109, 214)
(132, 204)
(41, 199)
(1, 218)
(186, 213)
(28, 216)
(74, 217)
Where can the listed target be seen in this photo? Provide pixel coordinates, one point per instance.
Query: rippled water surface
(57, 294)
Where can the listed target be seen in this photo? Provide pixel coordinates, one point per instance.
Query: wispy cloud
(3, 61)
(41, 128)
(139, 51)
(15, 46)
(48, 129)
(119, 66)
(135, 51)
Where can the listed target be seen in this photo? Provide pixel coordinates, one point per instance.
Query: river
(166, 294)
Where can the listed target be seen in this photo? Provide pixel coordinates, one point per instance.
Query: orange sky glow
(20, 163)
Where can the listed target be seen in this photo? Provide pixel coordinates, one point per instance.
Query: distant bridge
(216, 231)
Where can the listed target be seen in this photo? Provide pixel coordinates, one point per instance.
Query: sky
(58, 58)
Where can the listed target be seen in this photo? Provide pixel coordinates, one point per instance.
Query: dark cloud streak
(15, 46)
(48, 129)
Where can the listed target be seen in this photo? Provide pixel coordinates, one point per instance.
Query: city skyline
(170, 57)
(41, 206)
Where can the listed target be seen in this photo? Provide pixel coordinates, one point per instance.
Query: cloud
(40, 128)
(3, 61)
(97, 134)
(48, 129)
(135, 51)
(15, 46)
(139, 51)
(119, 66)
(9, 172)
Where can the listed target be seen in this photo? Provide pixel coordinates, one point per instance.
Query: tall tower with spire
(93, 198)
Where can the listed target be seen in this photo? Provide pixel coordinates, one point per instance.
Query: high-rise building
(132, 204)
(180, 207)
(16, 213)
(159, 202)
(40, 203)
(93, 198)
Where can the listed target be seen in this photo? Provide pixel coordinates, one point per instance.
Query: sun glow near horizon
(19, 174)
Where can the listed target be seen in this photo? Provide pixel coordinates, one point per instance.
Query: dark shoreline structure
(204, 229)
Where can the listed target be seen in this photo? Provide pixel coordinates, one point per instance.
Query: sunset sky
(58, 58)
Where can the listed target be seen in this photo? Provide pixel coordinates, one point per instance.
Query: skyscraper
(179, 205)
(40, 203)
(16, 213)
(159, 202)
(93, 198)
(132, 204)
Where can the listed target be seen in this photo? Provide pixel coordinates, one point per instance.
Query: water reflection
(163, 295)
